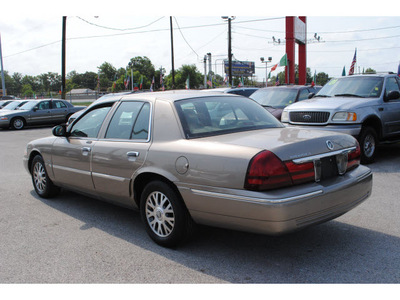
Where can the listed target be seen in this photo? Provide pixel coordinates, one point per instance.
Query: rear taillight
(266, 171)
(353, 158)
(301, 173)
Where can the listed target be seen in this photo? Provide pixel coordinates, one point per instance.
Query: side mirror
(310, 95)
(35, 108)
(393, 95)
(60, 130)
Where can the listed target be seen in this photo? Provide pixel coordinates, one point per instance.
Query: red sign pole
(303, 57)
(290, 51)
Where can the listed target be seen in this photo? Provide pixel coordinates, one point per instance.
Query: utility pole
(64, 28)
(205, 71)
(172, 53)
(209, 68)
(3, 81)
(229, 48)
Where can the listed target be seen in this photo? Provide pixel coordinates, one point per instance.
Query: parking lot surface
(76, 239)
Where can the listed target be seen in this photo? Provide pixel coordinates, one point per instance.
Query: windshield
(12, 105)
(28, 105)
(353, 87)
(208, 116)
(275, 97)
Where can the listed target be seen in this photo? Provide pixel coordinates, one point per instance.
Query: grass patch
(82, 103)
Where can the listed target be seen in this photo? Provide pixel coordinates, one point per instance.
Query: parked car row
(189, 157)
(36, 112)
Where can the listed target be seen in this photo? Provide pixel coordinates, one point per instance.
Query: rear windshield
(275, 97)
(364, 87)
(208, 116)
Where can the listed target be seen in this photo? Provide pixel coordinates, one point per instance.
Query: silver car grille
(309, 117)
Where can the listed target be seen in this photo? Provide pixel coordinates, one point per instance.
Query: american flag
(353, 63)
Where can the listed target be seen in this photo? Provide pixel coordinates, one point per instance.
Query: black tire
(17, 123)
(368, 140)
(44, 187)
(164, 214)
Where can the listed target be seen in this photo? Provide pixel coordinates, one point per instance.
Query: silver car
(38, 112)
(184, 157)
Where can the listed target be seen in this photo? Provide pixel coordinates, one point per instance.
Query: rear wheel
(164, 214)
(44, 187)
(368, 140)
(17, 123)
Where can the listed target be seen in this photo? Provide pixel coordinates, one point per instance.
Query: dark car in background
(38, 112)
(276, 98)
(243, 91)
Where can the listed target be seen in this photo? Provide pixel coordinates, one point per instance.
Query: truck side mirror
(393, 95)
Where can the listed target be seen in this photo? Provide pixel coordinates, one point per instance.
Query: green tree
(108, 74)
(33, 81)
(49, 82)
(17, 82)
(370, 71)
(322, 78)
(181, 75)
(143, 65)
(27, 90)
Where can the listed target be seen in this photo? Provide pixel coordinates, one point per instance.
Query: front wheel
(164, 214)
(44, 187)
(368, 140)
(17, 123)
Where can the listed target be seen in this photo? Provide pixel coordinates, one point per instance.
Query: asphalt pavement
(76, 239)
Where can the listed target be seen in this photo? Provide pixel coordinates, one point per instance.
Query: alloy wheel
(160, 214)
(39, 177)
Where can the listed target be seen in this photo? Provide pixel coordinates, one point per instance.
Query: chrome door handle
(132, 154)
(86, 150)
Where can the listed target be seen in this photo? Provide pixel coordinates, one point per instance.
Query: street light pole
(172, 53)
(266, 68)
(3, 81)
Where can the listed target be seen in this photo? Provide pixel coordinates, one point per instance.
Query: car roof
(293, 87)
(172, 96)
(390, 74)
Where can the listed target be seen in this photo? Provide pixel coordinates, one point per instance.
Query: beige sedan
(185, 157)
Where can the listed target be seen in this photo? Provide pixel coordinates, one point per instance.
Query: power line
(119, 29)
(176, 21)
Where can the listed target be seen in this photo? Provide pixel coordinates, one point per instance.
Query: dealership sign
(240, 68)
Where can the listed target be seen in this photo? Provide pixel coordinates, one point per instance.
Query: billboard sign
(299, 31)
(240, 68)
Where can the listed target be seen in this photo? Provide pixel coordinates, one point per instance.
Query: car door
(391, 109)
(121, 151)
(41, 113)
(59, 111)
(72, 155)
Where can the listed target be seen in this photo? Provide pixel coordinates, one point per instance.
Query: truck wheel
(368, 140)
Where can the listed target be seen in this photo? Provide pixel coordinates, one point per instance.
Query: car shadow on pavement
(333, 252)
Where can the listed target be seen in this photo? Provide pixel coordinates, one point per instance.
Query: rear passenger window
(59, 104)
(130, 121)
